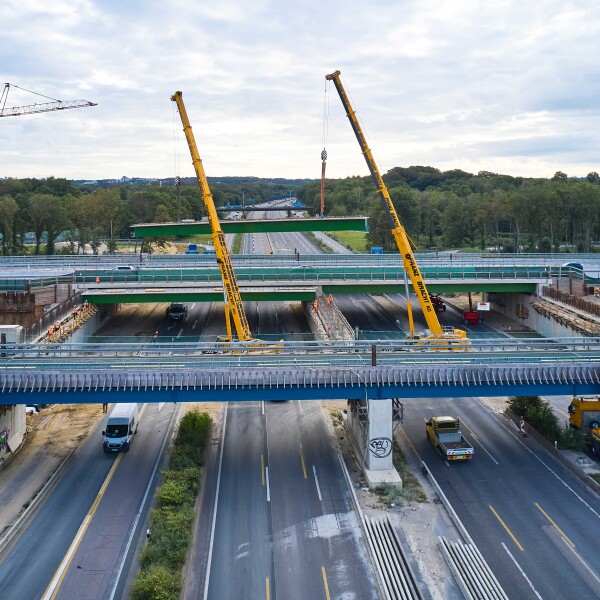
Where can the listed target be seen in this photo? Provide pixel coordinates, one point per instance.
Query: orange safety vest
(50, 330)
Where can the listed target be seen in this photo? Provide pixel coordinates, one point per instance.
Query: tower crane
(234, 308)
(30, 109)
(438, 336)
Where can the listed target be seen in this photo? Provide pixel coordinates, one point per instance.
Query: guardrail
(152, 351)
(145, 259)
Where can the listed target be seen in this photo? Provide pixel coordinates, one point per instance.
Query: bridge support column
(371, 427)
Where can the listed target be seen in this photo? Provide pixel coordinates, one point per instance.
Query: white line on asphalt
(300, 407)
(160, 405)
(180, 332)
(551, 471)
(521, 570)
(581, 560)
(195, 323)
(263, 407)
(139, 513)
(192, 306)
(214, 521)
(317, 483)
(484, 449)
(268, 487)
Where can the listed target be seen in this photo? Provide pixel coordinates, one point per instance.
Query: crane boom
(30, 109)
(398, 231)
(233, 298)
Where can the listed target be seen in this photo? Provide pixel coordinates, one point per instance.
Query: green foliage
(538, 414)
(156, 583)
(572, 439)
(173, 517)
(411, 490)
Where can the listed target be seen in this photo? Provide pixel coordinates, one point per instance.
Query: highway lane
(277, 534)
(100, 564)
(316, 533)
(534, 522)
(37, 554)
(241, 558)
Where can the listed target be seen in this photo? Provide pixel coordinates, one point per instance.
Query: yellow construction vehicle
(438, 336)
(584, 414)
(234, 308)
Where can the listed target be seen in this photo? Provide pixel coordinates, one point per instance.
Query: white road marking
(160, 405)
(521, 571)
(484, 449)
(180, 332)
(317, 483)
(214, 518)
(268, 486)
(551, 471)
(195, 323)
(591, 572)
(263, 407)
(192, 306)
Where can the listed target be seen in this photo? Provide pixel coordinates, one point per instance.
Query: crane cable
(176, 155)
(324, 142)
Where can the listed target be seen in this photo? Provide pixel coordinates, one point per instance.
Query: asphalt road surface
(535, 523)
(76, 546)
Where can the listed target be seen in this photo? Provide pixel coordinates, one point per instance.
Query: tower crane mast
(437, 332)
(30, 109)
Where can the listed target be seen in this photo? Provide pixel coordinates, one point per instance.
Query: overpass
(180, 372)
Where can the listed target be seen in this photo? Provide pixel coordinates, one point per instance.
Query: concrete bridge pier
(371, 425)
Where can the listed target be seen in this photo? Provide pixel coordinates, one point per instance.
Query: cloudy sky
(505, 86)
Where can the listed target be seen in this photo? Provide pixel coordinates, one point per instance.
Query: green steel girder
(174, 295)
(252, 226)
(437, 288)
(289, 295)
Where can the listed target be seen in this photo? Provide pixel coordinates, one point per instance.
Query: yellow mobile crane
(234, 308)
(438, 336)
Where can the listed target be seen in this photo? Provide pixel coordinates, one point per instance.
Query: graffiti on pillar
(4, 439)
(380, 447)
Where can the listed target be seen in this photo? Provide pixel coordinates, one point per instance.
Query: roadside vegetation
(411, 491)
(317, 242)
(538, 414)
(236, 247)
(439, 209)
(353, 240)
(173, 515)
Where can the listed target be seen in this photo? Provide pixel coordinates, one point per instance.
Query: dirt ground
(49, 440)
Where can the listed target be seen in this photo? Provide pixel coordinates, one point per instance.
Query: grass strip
(172, 517)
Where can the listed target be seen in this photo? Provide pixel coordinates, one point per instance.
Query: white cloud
(504, 86)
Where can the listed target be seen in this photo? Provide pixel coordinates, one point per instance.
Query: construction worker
(75, 310)
(98, 279)
(51, 330)
(57, 327)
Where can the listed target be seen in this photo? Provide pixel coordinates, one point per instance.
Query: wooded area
(440, 210)
(455, 209)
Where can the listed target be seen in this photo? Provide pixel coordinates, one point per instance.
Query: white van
(121, 426)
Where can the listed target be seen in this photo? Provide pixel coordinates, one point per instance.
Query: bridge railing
(181, 355)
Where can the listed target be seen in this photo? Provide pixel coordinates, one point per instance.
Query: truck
(584, 414)
(176, 311)
(438, 304)
(445, 435)
(121, 426)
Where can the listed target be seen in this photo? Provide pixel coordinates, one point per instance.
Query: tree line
(87, 215)
(450, 209)
(456, 209)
